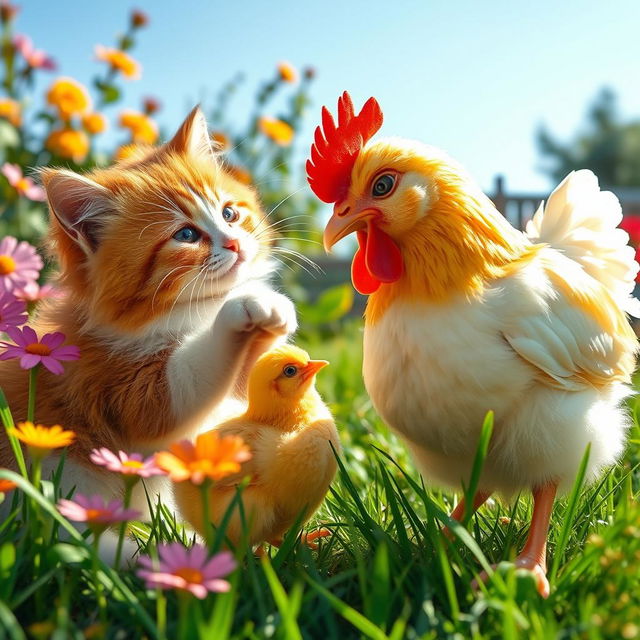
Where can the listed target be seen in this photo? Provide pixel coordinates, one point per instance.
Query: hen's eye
(230, 214)
(187, 234)
(289, 371)
(383, 185)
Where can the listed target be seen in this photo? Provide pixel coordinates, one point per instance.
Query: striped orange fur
(125, 278)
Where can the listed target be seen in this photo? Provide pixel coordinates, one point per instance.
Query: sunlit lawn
(387, 571)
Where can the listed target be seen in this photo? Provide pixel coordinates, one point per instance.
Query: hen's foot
(308, 538)
(528, 563)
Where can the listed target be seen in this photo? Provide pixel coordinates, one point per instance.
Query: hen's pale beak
(312, 367)
(343, 222)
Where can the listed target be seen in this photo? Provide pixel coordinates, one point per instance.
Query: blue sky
(475, 78)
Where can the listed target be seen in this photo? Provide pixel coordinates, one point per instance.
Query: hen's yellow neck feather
(461, 243)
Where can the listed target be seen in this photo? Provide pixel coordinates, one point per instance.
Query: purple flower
(95, 510)
(129, 464)
(19, 264)
(33, 292)
(13, 312)
(190, 569)
(32, 352)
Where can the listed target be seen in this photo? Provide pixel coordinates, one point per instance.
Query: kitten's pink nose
(232, 244)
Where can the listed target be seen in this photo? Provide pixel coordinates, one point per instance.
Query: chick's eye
(289, 371)
(229, 214)
(187, 234)
(383, 185)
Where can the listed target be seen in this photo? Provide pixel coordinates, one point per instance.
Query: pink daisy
(24, 186)
(95, 510)
(130, 464)
(35, 58)
(13, 312)
(19, 264)
(33, 292)
(31, 351)
(187, 569)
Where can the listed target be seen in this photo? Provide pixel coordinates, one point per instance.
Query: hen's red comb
(336, 148)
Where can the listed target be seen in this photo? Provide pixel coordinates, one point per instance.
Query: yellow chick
(289, 431)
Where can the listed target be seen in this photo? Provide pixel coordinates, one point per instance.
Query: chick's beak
(344, 221)
(312, 367)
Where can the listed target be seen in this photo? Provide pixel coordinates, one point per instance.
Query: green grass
(387, 571)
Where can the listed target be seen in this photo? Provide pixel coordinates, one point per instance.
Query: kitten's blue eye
(187, 234)
(230, 214)
(290, 371)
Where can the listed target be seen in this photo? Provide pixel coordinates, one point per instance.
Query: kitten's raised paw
(268, 311)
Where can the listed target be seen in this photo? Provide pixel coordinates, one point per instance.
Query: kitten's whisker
(296, 239)
(193, 289)
(301, 265)
(284, 264)
(179, 295)
(299, 255)
(151, 224)
(266, 215)
(155, 293)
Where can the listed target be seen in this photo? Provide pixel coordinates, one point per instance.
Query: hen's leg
(458, 513)
(534, 553)
(478, 500)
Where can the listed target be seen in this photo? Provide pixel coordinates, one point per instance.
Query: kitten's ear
(78, 204)
(192, 137)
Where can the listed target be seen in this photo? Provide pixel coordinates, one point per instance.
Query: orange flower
(10, 110)
(278, 130)
(120, 61)
(239, 173)
(94, 123)
(287, 72)
(6, 486)
(211, 456)
(143, 129)
(68, 143)
(41, 440)
(139, 19)
(221, 139)
(69, 97)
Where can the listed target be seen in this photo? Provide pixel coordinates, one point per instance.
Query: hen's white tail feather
(581, 221)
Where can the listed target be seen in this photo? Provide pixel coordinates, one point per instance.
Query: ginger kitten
(164, 259)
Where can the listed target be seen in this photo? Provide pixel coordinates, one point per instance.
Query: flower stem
(102, 601)
(31, 407)
(184, 604)
(161, 615)
(206, 513)
(128, 489)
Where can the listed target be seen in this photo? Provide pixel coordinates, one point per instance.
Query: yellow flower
(69, 97)
(279, 131)
(211, 456)
(287, 72)
(221, 139)
(10, 110)
(94, 123)
(120, 61)
(68, 143)
(41, 440)
(143, 129)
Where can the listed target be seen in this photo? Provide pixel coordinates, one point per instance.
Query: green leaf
(333, 304)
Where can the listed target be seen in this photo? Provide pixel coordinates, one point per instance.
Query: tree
(609, 146)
